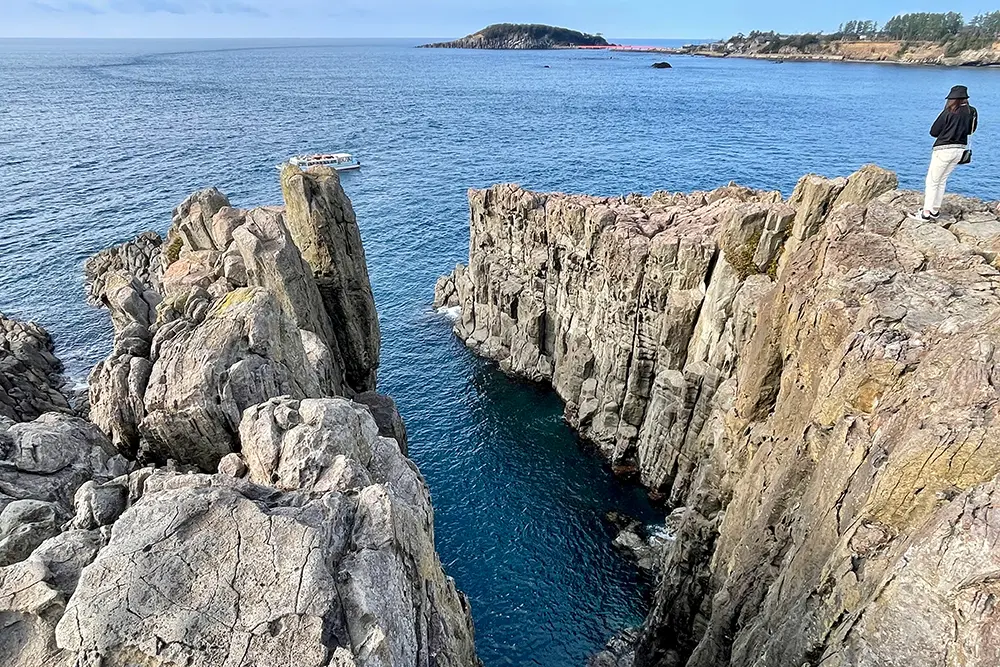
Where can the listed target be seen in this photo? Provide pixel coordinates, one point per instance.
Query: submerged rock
(808, 380)
(645, 544)
(662, 65)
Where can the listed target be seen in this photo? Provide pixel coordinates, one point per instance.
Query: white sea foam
(452, 313)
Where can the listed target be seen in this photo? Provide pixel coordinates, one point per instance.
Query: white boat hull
(346, 167)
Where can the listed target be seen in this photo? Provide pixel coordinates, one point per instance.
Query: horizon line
(299, 38)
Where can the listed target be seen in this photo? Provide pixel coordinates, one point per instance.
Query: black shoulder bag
(967, 154)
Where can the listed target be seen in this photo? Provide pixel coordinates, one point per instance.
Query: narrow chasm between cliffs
(809, 384)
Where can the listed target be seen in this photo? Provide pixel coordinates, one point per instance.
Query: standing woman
(951, 131)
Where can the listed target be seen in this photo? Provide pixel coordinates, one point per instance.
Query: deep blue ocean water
(100, 139)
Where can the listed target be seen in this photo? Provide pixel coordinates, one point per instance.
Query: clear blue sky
(440, 18)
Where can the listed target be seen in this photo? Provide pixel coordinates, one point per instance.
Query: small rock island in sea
(521, 36)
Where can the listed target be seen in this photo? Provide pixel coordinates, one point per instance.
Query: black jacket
(954, 128)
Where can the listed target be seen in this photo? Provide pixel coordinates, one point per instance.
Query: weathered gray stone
(825, 423)
(189, 358)
(25, 524)
(246, 350)
(354, 580)
(139, 258)
(233, 465)
(50, 458)
(383, 410)
(99, 504)
(30, 374)
(321, 220)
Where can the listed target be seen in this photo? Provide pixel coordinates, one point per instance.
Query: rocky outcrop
(30, 374)
(320, 551)
(335, 566)
(510, 36)
(954, 52)
(139, 258)
(235, 307)
(810, 380)
(313, 544)
(322, 223)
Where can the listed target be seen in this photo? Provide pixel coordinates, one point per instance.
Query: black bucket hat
(958, 93)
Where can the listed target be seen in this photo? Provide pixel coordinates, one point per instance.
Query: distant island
(917, 38)
(522, 36)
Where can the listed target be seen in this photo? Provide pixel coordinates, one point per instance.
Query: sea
(100, 139)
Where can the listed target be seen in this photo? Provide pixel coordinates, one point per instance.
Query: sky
(650, 19)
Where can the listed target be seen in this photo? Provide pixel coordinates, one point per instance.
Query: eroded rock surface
(321, 221)
(30, 374)
(314, 542)
(330, 567)
(813, 380)
(235, 307)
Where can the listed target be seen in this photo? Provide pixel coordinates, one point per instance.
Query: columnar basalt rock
(30, 374)
(812, 383)
(630, 308)
(321, 220)
(235, 307)
(313, 544)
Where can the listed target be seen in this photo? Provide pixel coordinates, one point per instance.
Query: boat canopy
(324, 157)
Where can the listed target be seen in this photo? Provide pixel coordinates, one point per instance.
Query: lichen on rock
(313, 544)
(812, 380)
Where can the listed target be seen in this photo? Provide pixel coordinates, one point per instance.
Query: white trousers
(943, 162)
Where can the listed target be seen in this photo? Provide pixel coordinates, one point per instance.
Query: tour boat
(338, 161)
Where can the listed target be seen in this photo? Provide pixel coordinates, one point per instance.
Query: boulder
(332, 567)
(50, 458)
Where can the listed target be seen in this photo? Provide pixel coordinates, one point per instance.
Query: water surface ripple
(100, 139)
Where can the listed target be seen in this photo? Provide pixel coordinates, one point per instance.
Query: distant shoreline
(830, 58)
(978, 52)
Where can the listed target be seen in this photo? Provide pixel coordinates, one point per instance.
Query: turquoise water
(101, 139)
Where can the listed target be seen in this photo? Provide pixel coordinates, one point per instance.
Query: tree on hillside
(925, 26)
(858, 28)
(987, 24)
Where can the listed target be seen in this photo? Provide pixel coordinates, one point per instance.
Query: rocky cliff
(278, 520)
(770, 46)
(520, 36)
(813, 380)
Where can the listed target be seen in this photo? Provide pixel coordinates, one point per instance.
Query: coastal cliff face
(810, 381)
(871, 50)
(282, 522)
